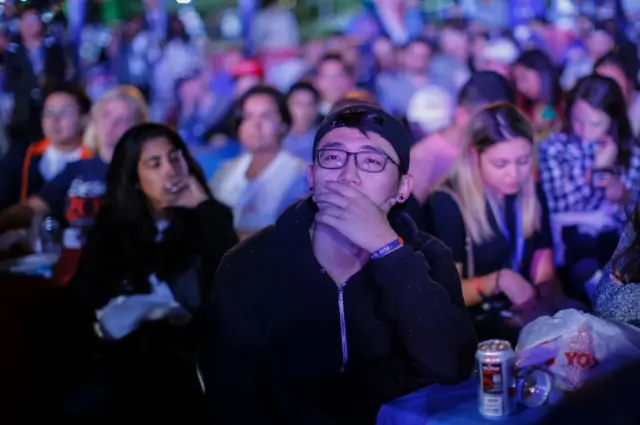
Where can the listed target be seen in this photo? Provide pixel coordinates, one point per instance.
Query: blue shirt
(210, 159)
(74, 195)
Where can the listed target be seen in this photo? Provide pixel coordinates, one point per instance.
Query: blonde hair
(129, 94)
(495, 123)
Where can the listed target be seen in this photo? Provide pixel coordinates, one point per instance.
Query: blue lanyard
(518, 254)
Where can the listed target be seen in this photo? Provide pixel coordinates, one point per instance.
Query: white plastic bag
(575, 347)
(124, 314)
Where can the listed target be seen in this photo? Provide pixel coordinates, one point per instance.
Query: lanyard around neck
(517, 253)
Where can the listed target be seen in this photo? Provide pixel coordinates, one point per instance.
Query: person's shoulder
(299, 165)
(427, 145)
(443, 199)
(227, 167)
(431, 247)
(230, 164)
(249, 253)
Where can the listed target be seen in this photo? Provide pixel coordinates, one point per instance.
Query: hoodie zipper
(343, 327)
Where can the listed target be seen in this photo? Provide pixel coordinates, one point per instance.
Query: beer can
(496, 363)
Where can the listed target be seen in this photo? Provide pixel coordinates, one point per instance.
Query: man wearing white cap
(430, 115)
(498, 56)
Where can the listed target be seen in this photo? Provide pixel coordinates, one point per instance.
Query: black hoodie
(278, 350)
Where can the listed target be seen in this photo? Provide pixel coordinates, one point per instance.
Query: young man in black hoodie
(343, 304)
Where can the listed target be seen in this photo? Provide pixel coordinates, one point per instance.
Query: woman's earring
(400, 197)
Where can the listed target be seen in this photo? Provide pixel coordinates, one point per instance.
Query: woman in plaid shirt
(587, 173)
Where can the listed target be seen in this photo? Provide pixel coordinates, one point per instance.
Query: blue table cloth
(453, 405)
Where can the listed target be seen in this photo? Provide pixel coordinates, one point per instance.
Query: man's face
(333, 81)
(30, 24)
(372, 151)
(417, 57)
(61, 120)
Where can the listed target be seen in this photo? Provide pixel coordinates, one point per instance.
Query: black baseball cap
(365, 117)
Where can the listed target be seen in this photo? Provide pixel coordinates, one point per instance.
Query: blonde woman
(115, 112)
(73, 196)
(496, 223)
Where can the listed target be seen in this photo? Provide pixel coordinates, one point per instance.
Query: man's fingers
(344, 189)
(332, 198)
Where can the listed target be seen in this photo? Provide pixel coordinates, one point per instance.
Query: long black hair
(125, 227)
(537, 60)
(623, 62)
(604, 94)
(127, 203)
(625, 263)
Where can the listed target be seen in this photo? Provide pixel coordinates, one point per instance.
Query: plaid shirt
(564, 161)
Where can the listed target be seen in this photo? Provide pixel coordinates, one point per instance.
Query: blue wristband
(391, 246)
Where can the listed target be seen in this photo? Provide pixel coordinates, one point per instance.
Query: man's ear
(404, 188)
(310, 179)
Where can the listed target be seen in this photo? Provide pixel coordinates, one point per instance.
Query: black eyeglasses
(369, 161)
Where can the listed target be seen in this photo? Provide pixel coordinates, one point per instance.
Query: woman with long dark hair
(539, 94)
(145, 273)
(617, 296)
(588, 173)
(624, 71)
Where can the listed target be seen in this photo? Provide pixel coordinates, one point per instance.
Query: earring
(310, 188)
(401, 197)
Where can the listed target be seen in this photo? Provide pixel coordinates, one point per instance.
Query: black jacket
(156, 364)
(274, 351)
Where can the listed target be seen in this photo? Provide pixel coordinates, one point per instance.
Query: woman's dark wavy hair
(625, 263)
(623, 62)
(125, 224)
(604, 94)
(124, 198)
(540, 62)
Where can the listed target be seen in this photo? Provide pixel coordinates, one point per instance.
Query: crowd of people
(240, 247)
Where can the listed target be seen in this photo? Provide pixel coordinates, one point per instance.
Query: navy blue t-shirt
(74, 196)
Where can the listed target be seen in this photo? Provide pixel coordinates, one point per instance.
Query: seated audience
(343, 304)
(135, 302)
(588, 173)
(73, 196)
(433, 156)
(23, 172)
(496, 224)
(263, 181)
